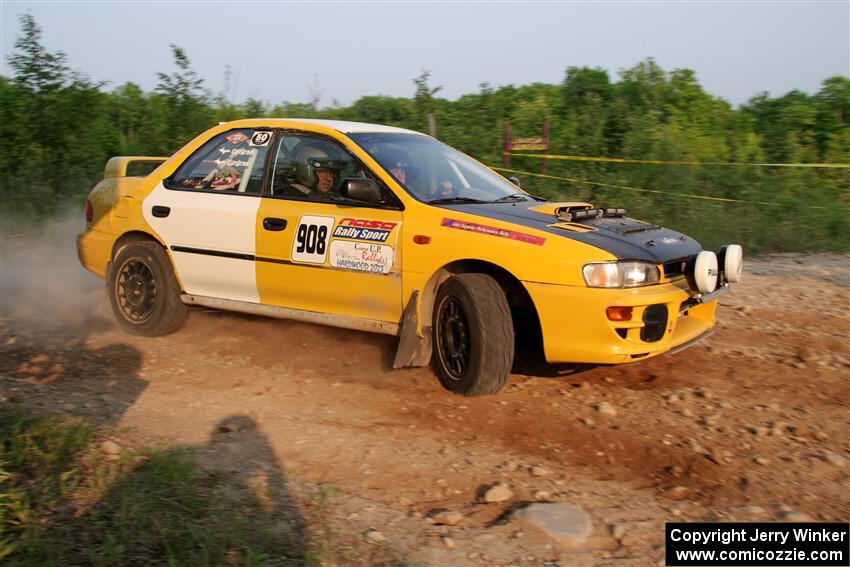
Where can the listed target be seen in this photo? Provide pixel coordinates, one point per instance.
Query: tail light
(89, 211)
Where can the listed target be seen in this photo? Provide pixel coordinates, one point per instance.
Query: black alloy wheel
(454, 340)
(143, 290)
(135, 290)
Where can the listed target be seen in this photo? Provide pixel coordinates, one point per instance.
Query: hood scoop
(558, 208)
(573, 212)
(623, 225)
(572, 216)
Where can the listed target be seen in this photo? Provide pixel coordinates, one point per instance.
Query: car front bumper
(576, 328)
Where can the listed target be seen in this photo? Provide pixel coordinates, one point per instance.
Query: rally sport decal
(364, 229)
(362, 249)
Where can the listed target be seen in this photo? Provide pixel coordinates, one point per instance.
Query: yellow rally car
(387, 230)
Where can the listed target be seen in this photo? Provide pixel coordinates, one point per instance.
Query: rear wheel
(473, 335)
(143, 291)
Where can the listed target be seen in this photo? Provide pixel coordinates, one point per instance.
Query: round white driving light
(705, 271)
(731, 257)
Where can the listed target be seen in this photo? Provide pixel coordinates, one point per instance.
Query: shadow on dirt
(227, 502)
(50, 308)
(65, 373)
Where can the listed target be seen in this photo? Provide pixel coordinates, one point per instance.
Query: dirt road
(752, 424)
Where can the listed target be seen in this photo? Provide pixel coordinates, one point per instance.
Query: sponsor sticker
(364, 229)
(493, 231)
(366, 223)
(362, 256)
(236, 138)
(261, 138)
(221, 163)
(237, 152)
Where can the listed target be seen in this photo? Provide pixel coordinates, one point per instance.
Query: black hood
(625, 238)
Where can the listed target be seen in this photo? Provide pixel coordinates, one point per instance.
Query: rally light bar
(591, 213)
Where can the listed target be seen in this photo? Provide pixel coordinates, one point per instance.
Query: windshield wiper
(456, 201)
(512, 197)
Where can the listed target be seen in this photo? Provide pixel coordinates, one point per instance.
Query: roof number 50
(261, 138)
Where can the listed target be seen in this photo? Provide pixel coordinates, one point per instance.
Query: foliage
(63, 503)
(35, 68)
(57, 130)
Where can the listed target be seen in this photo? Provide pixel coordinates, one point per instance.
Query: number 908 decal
(311, 239)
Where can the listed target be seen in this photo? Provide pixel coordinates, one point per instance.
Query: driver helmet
(308, 160)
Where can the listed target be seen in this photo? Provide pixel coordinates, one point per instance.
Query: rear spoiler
(117, 166)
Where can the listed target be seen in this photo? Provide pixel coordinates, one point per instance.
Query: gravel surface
(385, 466)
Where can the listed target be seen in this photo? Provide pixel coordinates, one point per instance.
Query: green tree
(44, 107)
(186, 100)
(35, 68)
(423, 96)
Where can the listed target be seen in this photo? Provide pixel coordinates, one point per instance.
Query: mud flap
(413, 350)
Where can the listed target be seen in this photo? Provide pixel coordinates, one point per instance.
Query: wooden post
(544, 162)
(506, 148)
(432, 125)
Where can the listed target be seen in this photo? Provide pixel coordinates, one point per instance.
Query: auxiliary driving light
(702, 272)
(731, 259)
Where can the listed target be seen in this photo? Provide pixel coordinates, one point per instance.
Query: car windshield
(434, 172)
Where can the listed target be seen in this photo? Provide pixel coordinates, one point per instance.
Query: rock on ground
(374, 536)
(567, 524)
(445, 517)
(605, 408)
(110, 448)
(498, 493)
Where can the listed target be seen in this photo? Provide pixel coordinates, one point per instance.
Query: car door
(318, 253)
(206, 215)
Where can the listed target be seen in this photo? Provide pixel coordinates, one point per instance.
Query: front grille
(675, 268)
(654, 323)
(687, 304)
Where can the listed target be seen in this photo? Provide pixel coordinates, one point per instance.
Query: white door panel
(211, 238)
(215, 276)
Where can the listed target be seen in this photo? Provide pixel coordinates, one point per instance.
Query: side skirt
(341, 321)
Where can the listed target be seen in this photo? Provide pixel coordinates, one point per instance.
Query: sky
(352, 49)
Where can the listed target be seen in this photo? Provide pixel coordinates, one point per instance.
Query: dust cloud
(43, 287)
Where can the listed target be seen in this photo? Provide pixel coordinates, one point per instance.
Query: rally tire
(143, 291)
(473, 335)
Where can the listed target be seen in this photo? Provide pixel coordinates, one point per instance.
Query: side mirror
(361, 190)
(515, 181)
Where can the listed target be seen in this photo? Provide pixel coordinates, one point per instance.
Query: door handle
(273, 224)
(161, 212)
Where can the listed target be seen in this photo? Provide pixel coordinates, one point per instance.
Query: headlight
(620, 274)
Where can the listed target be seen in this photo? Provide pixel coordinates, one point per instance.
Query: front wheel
(143, 291)
(473, 335)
